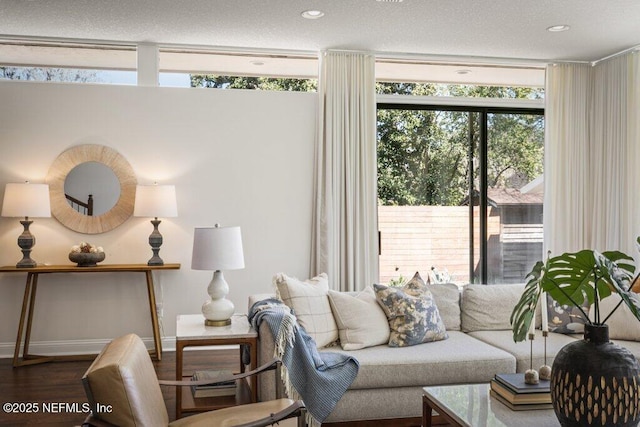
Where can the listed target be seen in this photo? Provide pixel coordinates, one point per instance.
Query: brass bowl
(86, 259)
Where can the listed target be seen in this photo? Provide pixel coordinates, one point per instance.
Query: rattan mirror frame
(76, 221)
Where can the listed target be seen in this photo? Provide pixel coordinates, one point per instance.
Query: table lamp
(215, 249)
(155, 201)
(26, 200)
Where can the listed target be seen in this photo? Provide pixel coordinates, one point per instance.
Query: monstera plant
(577, 279)
(587, 369)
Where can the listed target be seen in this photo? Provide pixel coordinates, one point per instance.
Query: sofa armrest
(266, 352)
(258, 297)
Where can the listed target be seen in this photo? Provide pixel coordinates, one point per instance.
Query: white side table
(191, 332)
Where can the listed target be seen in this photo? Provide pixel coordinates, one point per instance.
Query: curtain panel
(344, 235)
(566, 160)
(614, 163)
(592, 157)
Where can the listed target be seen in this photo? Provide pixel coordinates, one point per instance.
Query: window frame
(517, 107)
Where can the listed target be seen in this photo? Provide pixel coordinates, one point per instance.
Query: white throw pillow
(361, 321)
(310, 303)
(623, 325)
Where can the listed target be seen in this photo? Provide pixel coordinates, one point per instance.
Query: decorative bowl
(86, 259)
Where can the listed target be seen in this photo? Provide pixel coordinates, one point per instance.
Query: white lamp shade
(24, 199)
(217, 248)
(156, 201)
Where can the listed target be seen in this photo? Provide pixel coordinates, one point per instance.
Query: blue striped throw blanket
(318, 379)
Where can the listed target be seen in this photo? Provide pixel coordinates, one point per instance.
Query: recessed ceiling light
(558, 28)
(312, 14)
(257, 63)
(462, 72)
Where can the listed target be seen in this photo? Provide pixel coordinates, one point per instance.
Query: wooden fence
(416, 238)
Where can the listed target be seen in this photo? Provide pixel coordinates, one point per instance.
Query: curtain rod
(480, 60)
(399, 56)
(613, 55)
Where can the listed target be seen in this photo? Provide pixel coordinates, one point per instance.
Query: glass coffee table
(470, 405)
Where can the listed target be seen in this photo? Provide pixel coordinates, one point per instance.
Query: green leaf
(623, 261)
(620, 280)
(524, 311)
(570, 278)
(576, 279)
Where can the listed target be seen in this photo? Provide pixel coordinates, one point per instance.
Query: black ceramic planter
(595, 382)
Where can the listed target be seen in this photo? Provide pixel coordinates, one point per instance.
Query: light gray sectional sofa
(479, 345)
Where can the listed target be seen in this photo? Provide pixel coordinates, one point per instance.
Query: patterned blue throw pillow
(412, 313)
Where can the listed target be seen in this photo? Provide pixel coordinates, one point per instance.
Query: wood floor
(51, 383)
(60, 383)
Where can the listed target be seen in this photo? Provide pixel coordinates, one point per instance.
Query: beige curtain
(344, 236)
(592, 157)
(566, 164)
(615, 145)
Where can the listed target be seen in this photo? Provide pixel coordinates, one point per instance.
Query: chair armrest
(296, 409)
(273, 364)
(91, 421)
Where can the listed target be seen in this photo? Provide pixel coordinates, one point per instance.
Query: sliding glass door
(457, 192)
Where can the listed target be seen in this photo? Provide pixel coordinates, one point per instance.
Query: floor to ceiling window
(460, 192)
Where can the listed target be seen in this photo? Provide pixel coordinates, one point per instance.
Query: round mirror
(92, 189)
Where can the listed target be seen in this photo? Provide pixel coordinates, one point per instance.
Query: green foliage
(515, 149)
(423, 155)
(575, 279)
(255, 83)
(47, 74)
(420, 161)
(399, 282)
(621, 282)
(525, 309)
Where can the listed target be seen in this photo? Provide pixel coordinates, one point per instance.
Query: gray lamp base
(26, 241)
(26, 263)
(155, 240)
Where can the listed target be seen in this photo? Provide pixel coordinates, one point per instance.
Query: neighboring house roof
(507, 197)
(512, 196)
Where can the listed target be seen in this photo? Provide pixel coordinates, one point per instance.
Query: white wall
(236, 158)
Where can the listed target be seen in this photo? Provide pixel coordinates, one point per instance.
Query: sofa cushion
(384, 404)
(310, 303)
(447, 298)
(361, 321)
(489, 307)
(623, 325)
(522, 350)
(412, 313)
(458, 359)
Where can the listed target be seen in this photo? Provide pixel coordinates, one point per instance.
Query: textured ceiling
(514, 29)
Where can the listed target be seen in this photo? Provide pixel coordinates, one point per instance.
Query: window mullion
(483, 196)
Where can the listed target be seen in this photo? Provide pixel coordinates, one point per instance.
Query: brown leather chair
(123, 390)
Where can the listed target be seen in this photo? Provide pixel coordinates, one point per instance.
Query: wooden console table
(28, 304)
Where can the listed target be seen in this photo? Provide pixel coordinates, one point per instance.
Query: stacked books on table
(512, 391)
(227, 388)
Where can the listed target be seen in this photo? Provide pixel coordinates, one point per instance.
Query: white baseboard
(66, 347)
